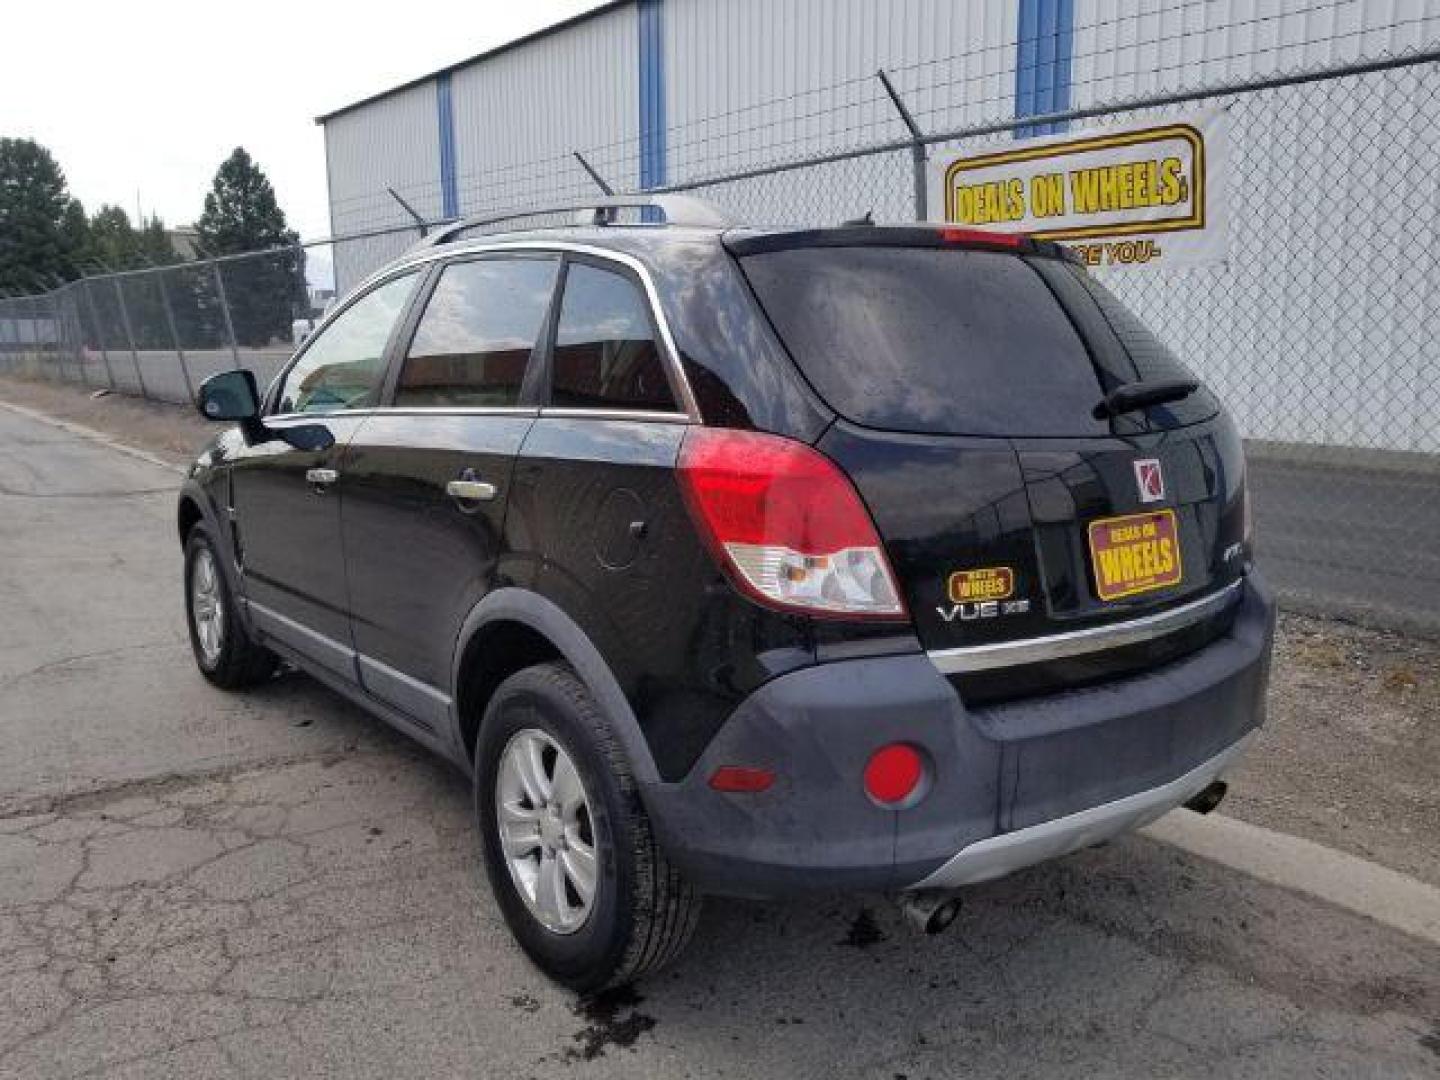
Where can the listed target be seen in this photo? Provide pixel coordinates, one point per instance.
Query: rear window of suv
(933, 340)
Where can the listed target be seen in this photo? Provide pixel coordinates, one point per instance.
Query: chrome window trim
(412, 410)
(654, 416)
(690, 407)
(972, 658)
(657, 416)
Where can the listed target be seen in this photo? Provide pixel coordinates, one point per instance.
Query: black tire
(240, 660)
(644, 912)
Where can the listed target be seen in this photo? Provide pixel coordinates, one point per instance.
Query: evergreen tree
(113, 242)
(155, 246)
(33, 204)
(75, 234)
(242, 215)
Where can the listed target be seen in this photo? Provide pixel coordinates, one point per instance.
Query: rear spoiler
(747, 242)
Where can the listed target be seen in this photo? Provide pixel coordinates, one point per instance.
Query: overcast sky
(149, 96)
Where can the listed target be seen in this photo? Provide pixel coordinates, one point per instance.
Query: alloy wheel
(546, 831)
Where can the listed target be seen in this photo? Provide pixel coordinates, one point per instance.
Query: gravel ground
(1350, 756)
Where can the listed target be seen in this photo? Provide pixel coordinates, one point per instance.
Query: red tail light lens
(980, 236)
(787, 525)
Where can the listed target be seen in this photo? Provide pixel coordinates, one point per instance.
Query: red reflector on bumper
(741, 779)
(894, 773)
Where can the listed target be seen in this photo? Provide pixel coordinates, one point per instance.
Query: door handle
(321, 477)
(470, 490)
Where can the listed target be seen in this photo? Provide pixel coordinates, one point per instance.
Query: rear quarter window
(931, 340)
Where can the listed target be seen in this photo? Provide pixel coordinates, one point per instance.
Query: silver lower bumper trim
(1000, 855)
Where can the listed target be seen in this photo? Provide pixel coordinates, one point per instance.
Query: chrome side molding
(969, 658)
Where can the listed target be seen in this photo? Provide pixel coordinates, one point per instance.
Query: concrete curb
(1365, 888)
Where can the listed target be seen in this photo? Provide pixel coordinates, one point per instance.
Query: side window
(606, 355)
(344, 367)
(474, 341)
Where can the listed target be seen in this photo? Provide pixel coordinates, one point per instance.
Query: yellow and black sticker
(989, 583)
(1135, 553)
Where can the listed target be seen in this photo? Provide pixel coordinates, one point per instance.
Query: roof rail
(684, 210)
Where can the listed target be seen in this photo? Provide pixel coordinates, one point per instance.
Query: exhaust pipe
(1208, 799)
(929, 911)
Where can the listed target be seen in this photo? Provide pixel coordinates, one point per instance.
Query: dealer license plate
(1134, 554)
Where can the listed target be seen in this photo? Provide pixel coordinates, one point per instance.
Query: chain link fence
(158, 333)
(1319, 331)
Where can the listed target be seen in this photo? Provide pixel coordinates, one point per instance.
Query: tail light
(787, 525)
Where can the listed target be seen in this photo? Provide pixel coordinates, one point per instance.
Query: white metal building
(656, 92)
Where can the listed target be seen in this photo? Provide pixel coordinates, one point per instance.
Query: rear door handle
(470, 490)
(321, 477)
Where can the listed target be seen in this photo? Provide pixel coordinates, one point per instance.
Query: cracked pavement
(193, 883)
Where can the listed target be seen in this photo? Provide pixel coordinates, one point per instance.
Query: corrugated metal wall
(519, 116)
(751, 82)
(393, 142)
(1125, 48)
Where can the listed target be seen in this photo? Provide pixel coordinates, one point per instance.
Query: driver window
(344, 366)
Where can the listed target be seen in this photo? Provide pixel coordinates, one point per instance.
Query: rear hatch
(968, 376)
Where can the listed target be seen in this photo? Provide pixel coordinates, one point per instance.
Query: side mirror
(231, 395)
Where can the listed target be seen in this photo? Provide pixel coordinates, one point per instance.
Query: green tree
(155, 246)
(242, 215)
(75, 230)
(113, 241)
(33, 212)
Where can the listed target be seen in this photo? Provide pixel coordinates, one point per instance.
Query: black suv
(743, 561)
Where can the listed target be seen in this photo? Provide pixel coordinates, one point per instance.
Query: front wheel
(568, 847)
(224, 650)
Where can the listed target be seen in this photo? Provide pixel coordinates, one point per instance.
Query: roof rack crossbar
(683, 210)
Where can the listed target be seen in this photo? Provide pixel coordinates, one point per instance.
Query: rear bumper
(985, 860)
(1011, 784)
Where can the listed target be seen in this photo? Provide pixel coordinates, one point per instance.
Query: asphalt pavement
(273, 884)
(1349, 539)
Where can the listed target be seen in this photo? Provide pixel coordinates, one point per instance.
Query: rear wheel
(567, 844)
(224, 650)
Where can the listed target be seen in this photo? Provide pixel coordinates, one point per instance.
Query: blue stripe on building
(652, 93)
(445, 114)
(1044, 48)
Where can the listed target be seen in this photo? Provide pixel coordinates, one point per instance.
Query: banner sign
(1139, 195)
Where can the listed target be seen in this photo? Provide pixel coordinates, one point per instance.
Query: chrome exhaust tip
(929, 911)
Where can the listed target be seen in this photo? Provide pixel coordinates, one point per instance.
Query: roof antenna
(867, 219)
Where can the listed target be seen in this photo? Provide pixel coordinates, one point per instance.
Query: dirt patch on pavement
(1350, 756)
(172, 431)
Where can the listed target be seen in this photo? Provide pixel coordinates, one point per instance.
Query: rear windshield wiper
(1141, 395)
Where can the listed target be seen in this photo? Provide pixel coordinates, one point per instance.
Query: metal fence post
(74, 341)
(225, 310)
(8, 319)
(99, 331)
(129, 335)
(174, 334)
(58, 336)
(917, 148)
